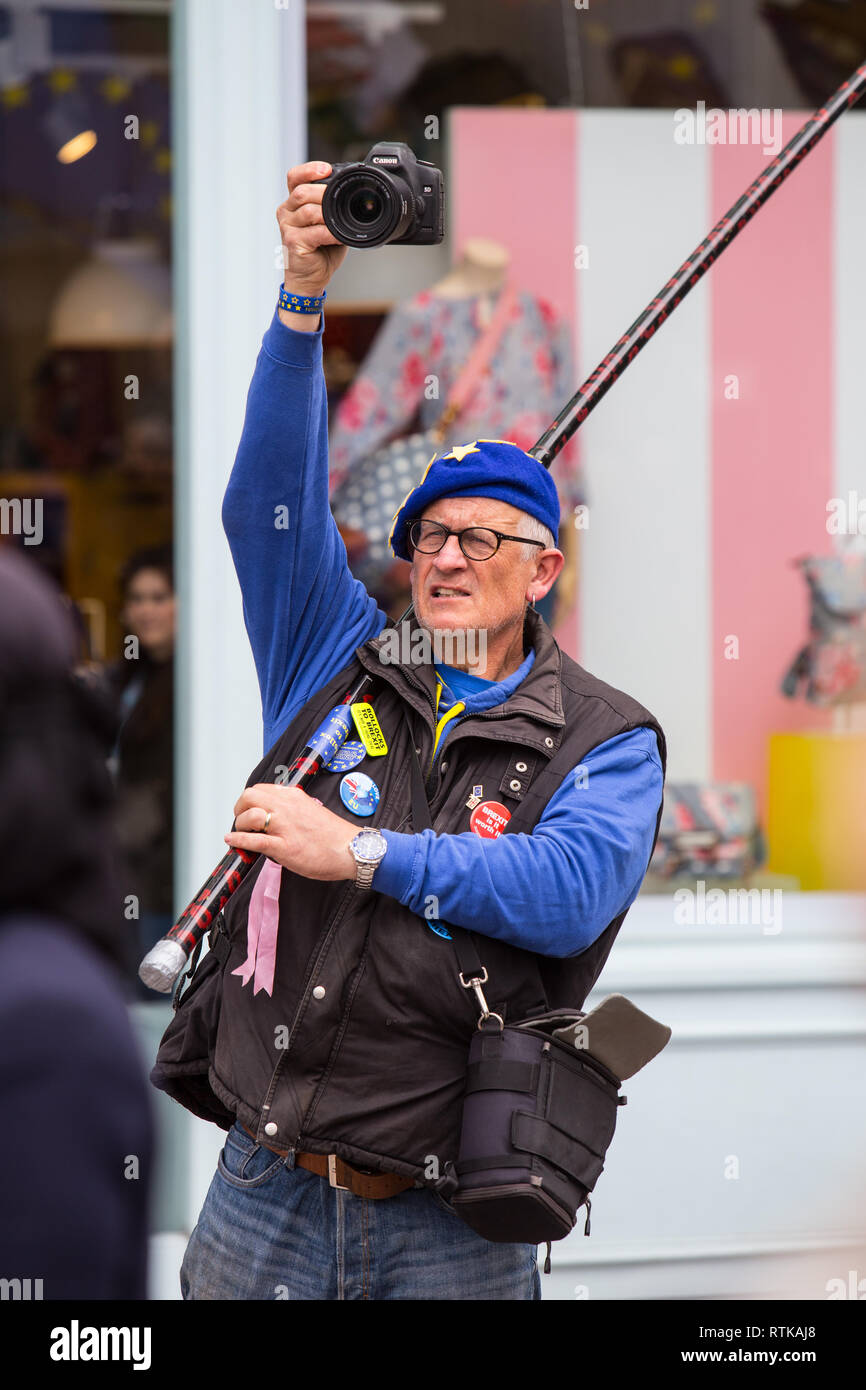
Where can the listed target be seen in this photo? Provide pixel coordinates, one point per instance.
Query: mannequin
(481, 270)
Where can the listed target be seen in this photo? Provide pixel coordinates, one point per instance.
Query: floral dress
(529, 380)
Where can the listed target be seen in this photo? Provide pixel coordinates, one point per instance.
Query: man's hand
(302, 835)
(311, 253)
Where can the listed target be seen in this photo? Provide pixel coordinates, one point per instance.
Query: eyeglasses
(476, 542)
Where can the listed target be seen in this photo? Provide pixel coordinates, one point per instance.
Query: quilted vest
(362, 1048)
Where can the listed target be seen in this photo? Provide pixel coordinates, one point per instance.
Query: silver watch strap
(364, 874)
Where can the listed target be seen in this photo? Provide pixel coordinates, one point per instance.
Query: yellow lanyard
(440, 723)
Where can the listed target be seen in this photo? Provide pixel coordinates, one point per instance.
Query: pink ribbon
(263, 921)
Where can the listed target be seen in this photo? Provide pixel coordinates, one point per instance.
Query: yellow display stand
(816, 813)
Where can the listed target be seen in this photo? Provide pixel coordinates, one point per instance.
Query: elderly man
(327, 1029)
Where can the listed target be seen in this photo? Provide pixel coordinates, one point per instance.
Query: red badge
(489, 819)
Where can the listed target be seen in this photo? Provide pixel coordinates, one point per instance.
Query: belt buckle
(332, 1174)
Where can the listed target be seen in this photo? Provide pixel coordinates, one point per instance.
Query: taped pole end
(162, 965)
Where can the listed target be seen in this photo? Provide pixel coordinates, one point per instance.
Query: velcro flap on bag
(582, 1104)
(502, 1076)
(534, 1135)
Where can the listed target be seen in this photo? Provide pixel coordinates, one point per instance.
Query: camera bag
(537, 1120)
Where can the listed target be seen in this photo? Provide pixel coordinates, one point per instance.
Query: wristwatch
(368, 849)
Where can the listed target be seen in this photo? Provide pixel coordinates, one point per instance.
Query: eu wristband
(301, 304)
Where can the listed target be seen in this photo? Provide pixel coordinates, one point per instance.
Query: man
(327, 1029)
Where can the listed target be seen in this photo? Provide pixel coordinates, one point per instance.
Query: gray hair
(530, 526)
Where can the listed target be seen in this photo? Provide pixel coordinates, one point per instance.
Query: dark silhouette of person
(76, 1166)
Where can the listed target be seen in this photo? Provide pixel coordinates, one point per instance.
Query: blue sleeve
(555, 890)
(304, 613)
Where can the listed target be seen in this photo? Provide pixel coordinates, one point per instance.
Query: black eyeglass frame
(479, 559)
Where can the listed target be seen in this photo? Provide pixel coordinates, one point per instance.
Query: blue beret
(484, 468)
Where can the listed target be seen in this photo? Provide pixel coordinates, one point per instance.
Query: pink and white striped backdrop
(702, 489)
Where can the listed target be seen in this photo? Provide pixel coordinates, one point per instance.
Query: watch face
(369, 846)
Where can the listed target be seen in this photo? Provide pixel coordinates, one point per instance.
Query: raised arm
(304, 612)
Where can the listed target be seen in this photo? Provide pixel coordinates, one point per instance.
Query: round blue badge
(359, 793)
(347, 757)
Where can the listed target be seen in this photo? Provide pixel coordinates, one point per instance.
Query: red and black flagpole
(164, 963)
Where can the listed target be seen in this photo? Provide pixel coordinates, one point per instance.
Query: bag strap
(478, 359)
(471, 972)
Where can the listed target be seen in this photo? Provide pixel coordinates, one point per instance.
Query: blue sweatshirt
(553, 891)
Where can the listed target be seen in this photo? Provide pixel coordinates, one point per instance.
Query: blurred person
(142, 685)
(75, 1173)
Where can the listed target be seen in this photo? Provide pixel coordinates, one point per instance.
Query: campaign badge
(359, 793)
(331, 733)
(368, 728)
(347, 757)
(489, 819)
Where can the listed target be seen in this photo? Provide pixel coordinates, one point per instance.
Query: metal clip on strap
(475, 984)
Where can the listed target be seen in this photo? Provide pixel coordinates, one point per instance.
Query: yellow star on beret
(460, 451)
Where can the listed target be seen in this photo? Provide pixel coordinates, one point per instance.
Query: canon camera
(389, 198)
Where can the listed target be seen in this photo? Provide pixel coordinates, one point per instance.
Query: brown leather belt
(339, 1174)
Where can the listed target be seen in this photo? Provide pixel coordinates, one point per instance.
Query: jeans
(271, 1231)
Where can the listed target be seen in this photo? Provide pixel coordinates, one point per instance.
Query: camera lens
(366, 207)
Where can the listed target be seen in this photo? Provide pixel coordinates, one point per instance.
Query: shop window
(86, 436)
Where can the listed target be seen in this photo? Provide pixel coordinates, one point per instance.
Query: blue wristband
(301, 304)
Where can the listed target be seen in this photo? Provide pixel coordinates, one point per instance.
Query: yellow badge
(368, 728)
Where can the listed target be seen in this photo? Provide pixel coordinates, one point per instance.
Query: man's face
(485, 594)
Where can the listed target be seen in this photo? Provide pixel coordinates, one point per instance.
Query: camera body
(389, 198)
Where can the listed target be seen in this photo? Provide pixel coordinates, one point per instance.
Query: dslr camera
(388, 198)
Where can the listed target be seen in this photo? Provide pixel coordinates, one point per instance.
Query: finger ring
(264, 829)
